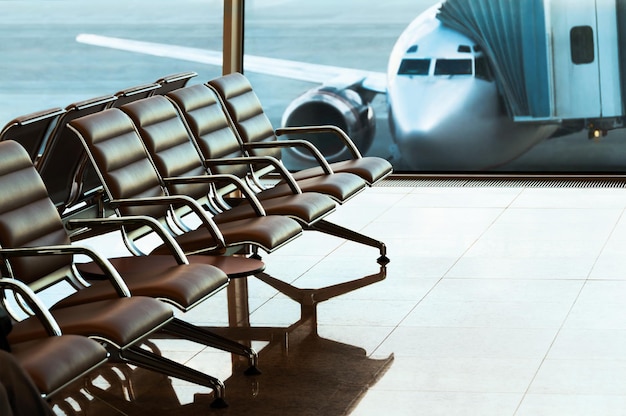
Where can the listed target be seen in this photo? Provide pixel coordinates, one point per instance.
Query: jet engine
(344, 108)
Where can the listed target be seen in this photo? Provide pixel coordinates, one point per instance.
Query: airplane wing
(324, 74)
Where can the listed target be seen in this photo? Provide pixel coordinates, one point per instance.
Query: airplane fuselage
(445, 111)
(444, 108)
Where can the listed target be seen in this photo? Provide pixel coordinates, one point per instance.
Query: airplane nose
(458, 126)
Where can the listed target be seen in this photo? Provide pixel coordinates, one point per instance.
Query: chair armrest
(106, 266)
(347, 141)
(294, 143)
(268, 160)
(118, 222)
(181, 200)
(232, 179)
(34, 303)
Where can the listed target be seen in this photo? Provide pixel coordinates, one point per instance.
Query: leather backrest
(31, 130)
(28, 218)
(173, 81)
(209, 126)
(64, 157)
(135, 93)
(121, 159)
(246, 111)
(168, 142)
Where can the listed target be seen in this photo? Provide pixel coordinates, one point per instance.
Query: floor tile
(572, 405)
(513, 314)
(580, 377)
(496, 343)
(518, 267)
(505, 290)
(592, 344)
(460, 197)
(597, 315)
(571, 198)
(469, 375)
(408, 403)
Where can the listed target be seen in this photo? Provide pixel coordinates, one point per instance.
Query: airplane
(445, 110)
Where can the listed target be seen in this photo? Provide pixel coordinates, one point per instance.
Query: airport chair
(134, 188)
(259, 137)
(341, 186)
(55, 360)
(120, 325)
(174, 81)
(36, 251)
(173, 279)
(31, 130)
(131, 94)
(62, 166)
(219, 147)
(174, 154)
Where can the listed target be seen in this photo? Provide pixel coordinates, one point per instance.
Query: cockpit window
(453, 67)
(483, 70)
(414, 67)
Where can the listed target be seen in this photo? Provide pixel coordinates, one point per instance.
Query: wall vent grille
(482, 182)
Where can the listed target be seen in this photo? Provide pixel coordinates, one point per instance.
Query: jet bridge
(553, 60)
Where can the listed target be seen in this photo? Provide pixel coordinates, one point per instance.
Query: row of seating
(176, 160)
(32, 130)
(71, 181)
(153, 160)
(38, 254)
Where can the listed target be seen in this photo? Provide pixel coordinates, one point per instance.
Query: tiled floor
(497, 301)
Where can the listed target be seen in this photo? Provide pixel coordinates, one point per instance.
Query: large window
(360, 34)
(43, 66)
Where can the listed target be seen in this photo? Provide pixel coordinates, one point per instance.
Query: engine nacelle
(330, 106)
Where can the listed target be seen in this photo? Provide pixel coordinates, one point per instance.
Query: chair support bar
(151, 361)
(343, 232)
(194, 333)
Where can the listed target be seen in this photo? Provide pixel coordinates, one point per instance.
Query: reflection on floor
(497, 301)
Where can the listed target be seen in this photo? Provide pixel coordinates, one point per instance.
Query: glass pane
(483, 70)
(353, 34)
(414, 67)
(423, 123)
(44, 66)
(453, 67)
